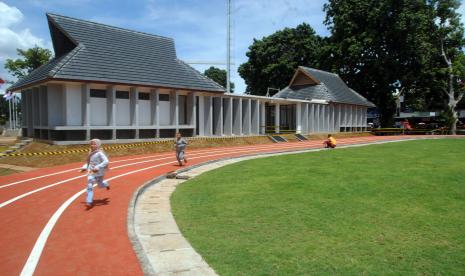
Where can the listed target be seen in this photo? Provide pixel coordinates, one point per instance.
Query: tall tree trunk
(452, 100)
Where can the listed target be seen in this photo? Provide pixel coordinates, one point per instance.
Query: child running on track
(96, 166)
(180, 144)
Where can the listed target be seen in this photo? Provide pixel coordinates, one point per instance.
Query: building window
(122, 94)
(164, 97)
(144, 96)
(98, 93)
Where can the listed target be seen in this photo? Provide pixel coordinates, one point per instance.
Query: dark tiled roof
(110, 54)
(331, 88)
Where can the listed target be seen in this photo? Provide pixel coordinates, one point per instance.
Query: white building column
(85, 92)
(134, 109)
(298, 118)
(262, 118)
(246, 116)
(30, 107)
(317, 118)
(277, 112)
(208, 114)
(364, 118)
(237, 116)
(155, 111)
(174, 109)
(255, 115)
(332, 116)
(191, 109)
(217, 108)
(304, 117)
(201, 115)
(338, 118)
(228, 116)
(111, 109)
(43, 121)
(311, 118)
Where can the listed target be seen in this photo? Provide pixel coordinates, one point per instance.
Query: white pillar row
(201, 115)
(228, 116)
(298, 121)
(217, 109)
(262, 118)
(311, 118)
(237, 116)
(255, 117)
(359, 118)
(276, 117)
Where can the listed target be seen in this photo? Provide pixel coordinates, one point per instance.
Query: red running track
(95, 241)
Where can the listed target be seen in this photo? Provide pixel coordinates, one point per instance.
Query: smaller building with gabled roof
(117, 84)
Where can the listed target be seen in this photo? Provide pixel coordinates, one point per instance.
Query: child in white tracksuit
(96, 166)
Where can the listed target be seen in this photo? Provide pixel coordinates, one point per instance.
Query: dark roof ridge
(65, 60)
(319, 70)
(109, 26)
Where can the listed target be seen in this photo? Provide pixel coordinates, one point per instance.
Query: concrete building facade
(138, 89)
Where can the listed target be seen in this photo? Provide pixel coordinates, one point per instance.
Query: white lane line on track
(36, 251)
(138, 158)
(8, 202)
(65, 171)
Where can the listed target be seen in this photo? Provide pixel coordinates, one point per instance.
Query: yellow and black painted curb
(113, 147)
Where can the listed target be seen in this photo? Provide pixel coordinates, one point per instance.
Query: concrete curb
(133, 237)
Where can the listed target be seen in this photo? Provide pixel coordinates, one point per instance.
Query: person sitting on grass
(330, 142)
(180, 144)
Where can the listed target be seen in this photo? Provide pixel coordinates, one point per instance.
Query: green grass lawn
(396, 208)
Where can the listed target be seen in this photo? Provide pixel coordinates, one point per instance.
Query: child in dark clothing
(180, 144)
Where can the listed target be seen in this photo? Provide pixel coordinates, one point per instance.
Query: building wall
(67, 111)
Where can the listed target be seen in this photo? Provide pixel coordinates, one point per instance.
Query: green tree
(380, 46)
(219, 76)
(29, 60)
(449, 39)
(274, 59)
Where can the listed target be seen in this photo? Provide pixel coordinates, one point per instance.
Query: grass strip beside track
(383, 209)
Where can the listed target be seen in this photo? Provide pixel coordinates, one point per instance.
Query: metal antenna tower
(228, 54)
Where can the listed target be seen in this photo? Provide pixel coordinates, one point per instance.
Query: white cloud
(9, 15)
(13, 38)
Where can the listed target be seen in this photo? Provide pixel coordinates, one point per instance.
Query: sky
(198, 27)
